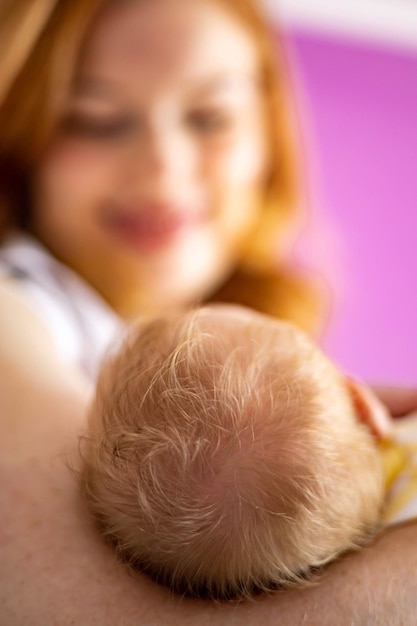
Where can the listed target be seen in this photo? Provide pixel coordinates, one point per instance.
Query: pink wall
(363, 108)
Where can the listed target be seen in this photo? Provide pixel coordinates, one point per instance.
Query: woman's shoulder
(22, 330)
(28, 284)
(31, 369)
(80, 323)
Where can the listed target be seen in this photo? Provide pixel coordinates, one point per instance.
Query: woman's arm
(56, 569)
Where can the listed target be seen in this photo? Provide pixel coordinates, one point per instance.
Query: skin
(56, 569)
(155, 176)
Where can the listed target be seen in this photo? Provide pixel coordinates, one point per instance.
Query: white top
(81, 323)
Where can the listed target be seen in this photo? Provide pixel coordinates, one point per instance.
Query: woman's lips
(153, 227)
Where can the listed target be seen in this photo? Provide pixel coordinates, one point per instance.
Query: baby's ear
(369, 408)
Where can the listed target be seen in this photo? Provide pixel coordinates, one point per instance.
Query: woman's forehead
(151, 43)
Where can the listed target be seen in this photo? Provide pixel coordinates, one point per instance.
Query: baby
(228, 455)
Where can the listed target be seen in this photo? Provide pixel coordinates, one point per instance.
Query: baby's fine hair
(225, 456)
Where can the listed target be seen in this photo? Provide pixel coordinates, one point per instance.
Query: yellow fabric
(399, 458)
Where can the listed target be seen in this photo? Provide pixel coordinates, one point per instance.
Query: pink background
(362, 106)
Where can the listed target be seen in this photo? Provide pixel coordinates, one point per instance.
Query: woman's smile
(153, 226)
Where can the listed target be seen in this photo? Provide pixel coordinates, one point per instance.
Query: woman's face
(153, 182)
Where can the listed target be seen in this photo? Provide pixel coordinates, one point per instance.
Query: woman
(157, 180)
(147, 160)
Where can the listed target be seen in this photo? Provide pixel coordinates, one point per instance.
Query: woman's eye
(210, 121)
(101, 129)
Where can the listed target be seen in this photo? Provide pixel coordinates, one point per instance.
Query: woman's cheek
(79, 165)
(238, 162)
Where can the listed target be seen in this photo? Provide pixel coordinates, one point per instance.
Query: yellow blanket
(399, 457)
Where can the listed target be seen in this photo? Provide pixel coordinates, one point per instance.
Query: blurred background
(356, 70)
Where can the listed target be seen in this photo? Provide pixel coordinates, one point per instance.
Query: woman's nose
(165, 155)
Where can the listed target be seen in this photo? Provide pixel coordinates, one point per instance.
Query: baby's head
(226, 454)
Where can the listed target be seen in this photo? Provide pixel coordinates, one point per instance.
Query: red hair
(42, 41)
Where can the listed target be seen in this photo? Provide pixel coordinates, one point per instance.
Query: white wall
(390, 21)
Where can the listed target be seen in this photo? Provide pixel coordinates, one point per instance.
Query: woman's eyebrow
(96, 87)
(111, 90)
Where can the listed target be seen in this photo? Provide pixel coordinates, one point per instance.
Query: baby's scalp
(229, 453)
